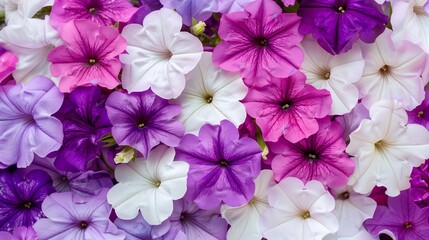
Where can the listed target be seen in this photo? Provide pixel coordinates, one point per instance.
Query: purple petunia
(419, 190)
(21, 197)
(85, 122)
(420, 114)
(319, 157)
(142, 120)
(188, 9)
(338, 24)
(222, 166)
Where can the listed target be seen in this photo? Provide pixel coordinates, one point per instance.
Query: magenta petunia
(142, 120)
(88, 57)
(420, 114)
(288, 107)
(102, 12)
(7, 64)
(419, 190)
(319, 157)
(260, 42)
(27, 127)
(402, 217)
(222, 166)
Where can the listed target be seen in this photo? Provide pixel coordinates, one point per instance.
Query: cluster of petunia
(214, 119)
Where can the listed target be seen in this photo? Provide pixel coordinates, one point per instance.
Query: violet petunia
(102, 12)
(77, 220)
(261, 42)
(319, 157)
(188, 9)
(146, 7)
(142, 120)
(139, 229)
(85, 122)
(20, 233)
(402, 217)
(419, 190)
(288, 107)
(420, 114)
(21, 197)
(88, 57)
(222, 166)
(26, 124)
(338, 24)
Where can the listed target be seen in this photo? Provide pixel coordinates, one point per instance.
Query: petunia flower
(319, 157)
(261, 42)
(210, 96)
(146, 7)
(419, 190)
(191, 222)
(352, 209)
(298, 211)
(287, 107)
(352, 120)
(89, 56)
(393, 72)
(149, 185)
(17, 11)
(142, 120)
(410, 21)
(222, 166)
(7, 64)
(161, 61)
(77, 220)
(420, 114)
(337, 74)
(188, 9)
(20, 233)
(101, 12)
(27, 126)
(31, 42)
(85, 122)
(139, 229)
(385, 149)
(402, 217)
(362, 234)
(245, 220)
(230, 6)
(21, 197)
(338, 24)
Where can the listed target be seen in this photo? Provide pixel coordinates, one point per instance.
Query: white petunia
(335, 73)
(244, 220)
(392, 72)
(386, 149)
(210, 96)
(352, 209)
(298, 211)
(149, 185)
(410, 22)
(31, 42)
(361, 235)
(16, 11)
(158, 54)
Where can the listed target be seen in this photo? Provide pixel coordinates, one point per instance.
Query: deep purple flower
(77, 220)
(21, 197)
(142, 120)
(20, 233)
(338, 24)
(420, 114)
(319, 157)
(419, 190)
(222, 166)
(85, 121)
(26, 125)
(146, 7)
(188, 9)
(102, 12)
(402, 217)
(189, 220)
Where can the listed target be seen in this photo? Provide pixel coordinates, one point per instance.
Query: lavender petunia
(142, 120)
(85, 121)
(26, 125)
(338, 24)
(77, 220)
(402, 217)
(222, 166)
(21, 197)
(139, 229)
(188, 9)
(20, 233)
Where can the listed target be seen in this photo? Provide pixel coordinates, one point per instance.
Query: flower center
(344, 195)
(384, 70)
(223, 163)
(379, 145)
(141, 125)
(311, 157)
(261, 41)
(27, 205)
(420, 11)
(420, 114)
(83, 225)
(182, 216)
(209, 99)
(408, 225)
(305, 215)
(91, 10)
(341, 9)
(157, 183)
(92, 61)
(327, 75)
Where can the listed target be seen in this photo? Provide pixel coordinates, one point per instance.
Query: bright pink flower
(319, 157)
(260, 42)
(288, 107)
(88, 57)
(7, 64)
(102, 12)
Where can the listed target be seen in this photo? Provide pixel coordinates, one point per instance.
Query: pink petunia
(88, 57)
